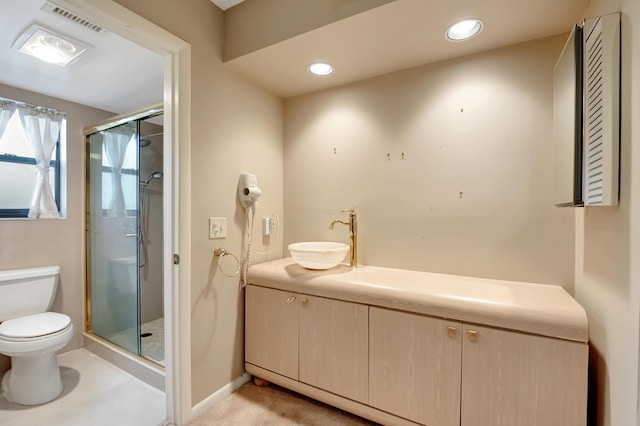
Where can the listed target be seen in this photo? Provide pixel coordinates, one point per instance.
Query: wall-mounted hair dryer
(248, 191)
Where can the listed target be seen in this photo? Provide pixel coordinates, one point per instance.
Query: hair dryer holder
(248, 191)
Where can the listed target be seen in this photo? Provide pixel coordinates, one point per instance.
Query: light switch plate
(217, 227)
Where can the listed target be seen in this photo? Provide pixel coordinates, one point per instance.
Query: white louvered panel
(594, 119)
(601, 110)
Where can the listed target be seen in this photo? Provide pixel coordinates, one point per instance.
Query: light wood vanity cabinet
(414, 366)
(271, 330)
(375, 342)
(445, 373)
(317, 341)
(334, 346)
(511, 378)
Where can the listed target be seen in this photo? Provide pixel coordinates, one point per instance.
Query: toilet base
(33, 380)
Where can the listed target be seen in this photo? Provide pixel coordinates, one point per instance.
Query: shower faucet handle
(131, 235)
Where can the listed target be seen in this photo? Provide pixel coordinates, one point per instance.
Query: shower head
(145, 141)
(154, 175)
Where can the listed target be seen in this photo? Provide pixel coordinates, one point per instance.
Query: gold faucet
(353, 235)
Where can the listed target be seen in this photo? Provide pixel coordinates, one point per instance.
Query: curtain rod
(28, 105)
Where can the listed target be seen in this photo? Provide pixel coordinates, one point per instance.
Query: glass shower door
(114, 238)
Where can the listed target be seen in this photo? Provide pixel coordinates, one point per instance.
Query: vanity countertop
(546, 310)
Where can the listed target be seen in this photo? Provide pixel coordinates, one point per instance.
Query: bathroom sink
(318, 255)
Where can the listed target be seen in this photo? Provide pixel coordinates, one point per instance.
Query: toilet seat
(34, 326)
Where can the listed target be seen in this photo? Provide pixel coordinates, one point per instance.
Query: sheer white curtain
(115, 143)
(7, 109)
(42, 127)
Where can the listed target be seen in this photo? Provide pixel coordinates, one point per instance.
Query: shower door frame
(177, 224)
(104, 126)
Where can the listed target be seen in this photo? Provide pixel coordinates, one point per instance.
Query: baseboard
(219, 395)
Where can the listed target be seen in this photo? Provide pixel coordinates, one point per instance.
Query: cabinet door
(271, 330)
(334, 346)
(515, 379)
(414, 366)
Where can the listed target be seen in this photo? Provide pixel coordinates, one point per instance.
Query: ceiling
(226, 4)
(114, 74)
(399, 35)
(119, 76)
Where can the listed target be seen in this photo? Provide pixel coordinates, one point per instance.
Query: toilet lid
(34, 325)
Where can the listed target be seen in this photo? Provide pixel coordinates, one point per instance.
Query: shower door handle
(131, 235)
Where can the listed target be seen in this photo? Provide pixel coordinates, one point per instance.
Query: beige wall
(255, 24)
(151, 283)
(607, 253)
(235, 128)
(32, 243)
(472, 194)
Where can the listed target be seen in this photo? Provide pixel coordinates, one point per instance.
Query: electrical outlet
(217, 227)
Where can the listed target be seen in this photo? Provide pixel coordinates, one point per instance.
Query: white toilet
(30, 335)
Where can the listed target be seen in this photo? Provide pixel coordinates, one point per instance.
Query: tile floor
(151, 341)
(153, 345)
(96, 393)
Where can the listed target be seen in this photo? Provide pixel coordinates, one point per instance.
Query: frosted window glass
(17, 182)
(16, 185)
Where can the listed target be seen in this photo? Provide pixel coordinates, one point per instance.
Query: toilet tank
(27, 291)
(124, 274)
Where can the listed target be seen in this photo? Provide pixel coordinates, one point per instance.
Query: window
(30, 160)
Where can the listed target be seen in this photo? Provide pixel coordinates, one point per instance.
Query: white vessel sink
(317, 254)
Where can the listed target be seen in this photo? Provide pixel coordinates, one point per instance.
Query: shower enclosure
(125, 233)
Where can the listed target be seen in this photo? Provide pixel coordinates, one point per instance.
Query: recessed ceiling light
(464, 29)
(321, 68)
(49, 46)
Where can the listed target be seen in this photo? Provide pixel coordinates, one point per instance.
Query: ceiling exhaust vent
(65, 14)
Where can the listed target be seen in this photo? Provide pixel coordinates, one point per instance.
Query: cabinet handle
(291, 299)
(473, 335)
(305, 302)
(451, 331)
